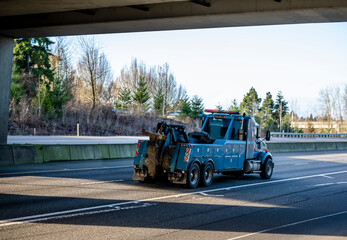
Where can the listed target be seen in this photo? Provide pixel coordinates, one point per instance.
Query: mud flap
(183, 180)
(136, 177)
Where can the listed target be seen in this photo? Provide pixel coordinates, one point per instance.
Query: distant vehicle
(228, 143)
(173, 115)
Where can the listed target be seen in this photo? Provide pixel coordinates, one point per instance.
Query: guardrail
(308, 135)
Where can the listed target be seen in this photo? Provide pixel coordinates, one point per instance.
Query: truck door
(235, 156)
(231, 157)
(250, 139)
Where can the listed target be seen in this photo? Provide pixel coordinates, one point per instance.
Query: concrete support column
(6, 53)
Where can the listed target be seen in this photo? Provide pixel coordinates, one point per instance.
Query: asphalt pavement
(304, 199)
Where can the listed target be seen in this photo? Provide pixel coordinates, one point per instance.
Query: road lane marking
(327, 176)
(211, 195)
(36, 218)
(112, 209)
(101, 182)
(323, 184)
(299, 164)
(66, 170)
(289, 225)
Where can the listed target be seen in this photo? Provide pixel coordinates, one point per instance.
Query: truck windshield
(216, 128)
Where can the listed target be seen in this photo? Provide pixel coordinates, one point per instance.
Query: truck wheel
(193, 176)
(267, 170)
(207, 175)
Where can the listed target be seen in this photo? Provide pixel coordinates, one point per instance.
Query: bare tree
(167, 82)
(62, 61)
(94, 69)
(337, 104)
(327, 103)
(333, 103)
(160, 82)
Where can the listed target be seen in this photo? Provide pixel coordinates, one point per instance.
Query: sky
(222, 64)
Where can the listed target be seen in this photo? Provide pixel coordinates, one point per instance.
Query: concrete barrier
(341, 145)
(6, 155)
(56, 153)
(20, 154)
(305, 146)
(78, 152)
(27, 154)
(101, 151)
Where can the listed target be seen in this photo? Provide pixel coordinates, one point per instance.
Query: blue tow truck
(228, 143)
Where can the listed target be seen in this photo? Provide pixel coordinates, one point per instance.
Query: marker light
(187, 154)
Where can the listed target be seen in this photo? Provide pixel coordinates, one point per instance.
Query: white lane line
(327, 177)
(66, 169)
(100, 182)
(289, 225)
(116, 208)
(211, 195)
(35, 218)
(299, 164)
(323, 184)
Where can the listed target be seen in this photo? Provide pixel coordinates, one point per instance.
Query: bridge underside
(35, 18)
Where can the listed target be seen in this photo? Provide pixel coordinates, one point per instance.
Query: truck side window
(235, 129)
(217, 128)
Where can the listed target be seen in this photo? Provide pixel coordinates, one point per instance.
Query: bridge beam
(6, 53)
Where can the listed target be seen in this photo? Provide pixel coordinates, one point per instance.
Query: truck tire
(267, 169)
(207, 175)
(193, 176)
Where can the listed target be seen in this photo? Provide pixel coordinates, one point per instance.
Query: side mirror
(268, 135)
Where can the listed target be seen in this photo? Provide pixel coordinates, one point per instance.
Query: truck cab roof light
(221, 111)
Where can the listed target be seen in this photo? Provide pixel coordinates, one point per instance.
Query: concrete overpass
(34, 18)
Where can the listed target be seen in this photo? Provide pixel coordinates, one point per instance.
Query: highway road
(305, 199)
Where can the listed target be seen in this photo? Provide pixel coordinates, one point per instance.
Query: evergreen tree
(267, 109)
(124, 99)
(58, 95)
(219, 107)
(185, 107)
(197, 107)
(158, 100)
(141, 95)
(17, 91)
(234, 106)
(250, 103)
(31, 56)
(281, 109)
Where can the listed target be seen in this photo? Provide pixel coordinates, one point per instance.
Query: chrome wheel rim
(208, 174)
(194, 176)
(269, 168)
